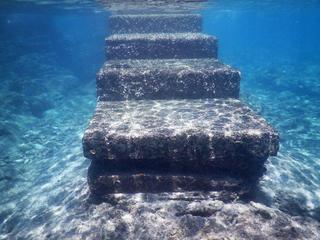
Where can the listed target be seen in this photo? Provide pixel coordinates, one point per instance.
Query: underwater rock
(186, 216)
(161, 45)
(153, 23)
(167, 79)
(219, 134)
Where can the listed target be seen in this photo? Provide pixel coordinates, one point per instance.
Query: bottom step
(103, 182)
(178, 145)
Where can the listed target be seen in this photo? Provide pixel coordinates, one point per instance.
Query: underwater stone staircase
(168, 116)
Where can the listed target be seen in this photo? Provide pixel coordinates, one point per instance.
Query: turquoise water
(49, 54)
(276, 48)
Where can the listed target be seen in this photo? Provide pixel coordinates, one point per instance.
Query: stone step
(223, 134)
(167, 79)
(102, 182)
(155, 23)
(152, 6)
(161, 45)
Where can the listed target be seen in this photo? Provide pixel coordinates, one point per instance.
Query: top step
(155, 23)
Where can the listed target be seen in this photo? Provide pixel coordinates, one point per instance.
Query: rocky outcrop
(188, 216)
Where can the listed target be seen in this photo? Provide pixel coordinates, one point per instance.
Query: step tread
(151, 23)
(167, 79)
(160, 36)
(161, 45)
(178, 130)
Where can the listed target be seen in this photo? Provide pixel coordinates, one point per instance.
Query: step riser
(161, 48)
(119, 84)
(215, 154)
(134, 184)
(122, 24)
(102, 183)
(196, 147)
(250, 169)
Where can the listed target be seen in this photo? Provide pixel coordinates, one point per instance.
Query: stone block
(161, 45)
(167, 79)
(155, 23)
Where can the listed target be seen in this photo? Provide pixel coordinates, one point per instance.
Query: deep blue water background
(48, 60)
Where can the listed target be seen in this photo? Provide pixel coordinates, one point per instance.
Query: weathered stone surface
(221, 133)
(167, 79)
(154, 6)
(183, 216)
(155, 23)
(161, 45)
(104, 181)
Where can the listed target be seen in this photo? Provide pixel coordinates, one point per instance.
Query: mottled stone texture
(152, 6)
(215, 134)
(161, 45)
(167, 79)
(182, 216)
(155, 23)
(103, 181)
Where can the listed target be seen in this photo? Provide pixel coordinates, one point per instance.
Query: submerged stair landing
(168, 116)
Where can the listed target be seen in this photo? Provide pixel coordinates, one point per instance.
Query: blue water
(49, 54)
(276, 48)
